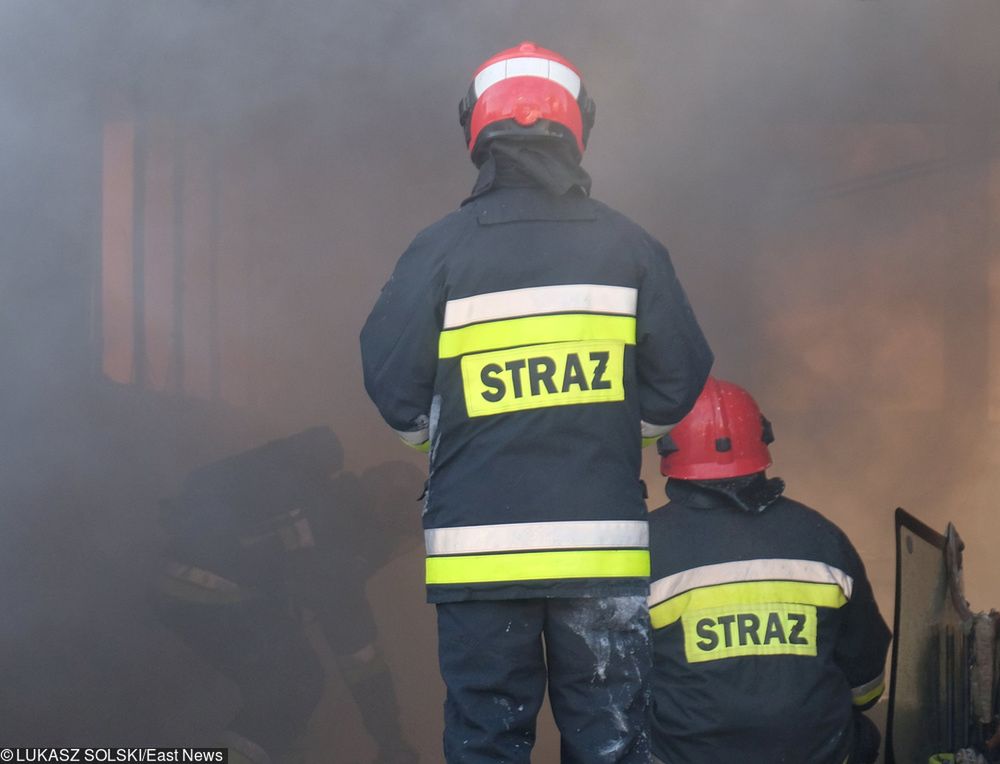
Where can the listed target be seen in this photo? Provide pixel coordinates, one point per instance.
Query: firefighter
(768, 643)
(529, 340)
(262, 544)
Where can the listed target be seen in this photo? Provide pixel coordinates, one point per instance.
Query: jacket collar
(753, 496)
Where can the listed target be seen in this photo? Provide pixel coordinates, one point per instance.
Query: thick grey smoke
(826, 175)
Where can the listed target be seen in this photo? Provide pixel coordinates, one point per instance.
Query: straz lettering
(738, 630)
(537, 376)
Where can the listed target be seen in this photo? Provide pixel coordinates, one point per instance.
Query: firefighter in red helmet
(768, 643)
(529, 341)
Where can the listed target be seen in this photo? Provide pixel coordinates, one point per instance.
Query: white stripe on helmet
(528, 66)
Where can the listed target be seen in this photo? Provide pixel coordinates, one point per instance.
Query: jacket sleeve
(864, 638)
(399, 341)
(672, 357)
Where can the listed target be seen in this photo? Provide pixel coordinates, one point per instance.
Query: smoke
(824, 174)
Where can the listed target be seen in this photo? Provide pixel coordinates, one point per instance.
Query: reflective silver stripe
(563, 298)
(200, 577)
(528, 66)
(414, 437)
(808, 571)
(510, 537)
(864, 689)
(298, 535)
(654, 430)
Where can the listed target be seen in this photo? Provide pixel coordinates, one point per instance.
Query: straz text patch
(537, 376)
(761, 629)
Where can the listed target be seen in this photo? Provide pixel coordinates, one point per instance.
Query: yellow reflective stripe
(535, 330)
(415, 438)
(868, 697)
(821, 595)
(869, 690)
(533, 566)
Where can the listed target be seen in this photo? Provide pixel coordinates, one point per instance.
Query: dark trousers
(497, 656)
(260, 648)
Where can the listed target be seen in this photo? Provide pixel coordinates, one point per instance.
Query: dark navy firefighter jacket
(531, 337)
(766, 634)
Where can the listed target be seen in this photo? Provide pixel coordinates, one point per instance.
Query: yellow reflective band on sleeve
(734, 631)
(540, 376)
(423, 448)
(747, 592)
(535, 330)
(417, 439)
(868, 697)
(534, 566)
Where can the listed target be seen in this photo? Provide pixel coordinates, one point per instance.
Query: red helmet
(724, 436)
(522, 91)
